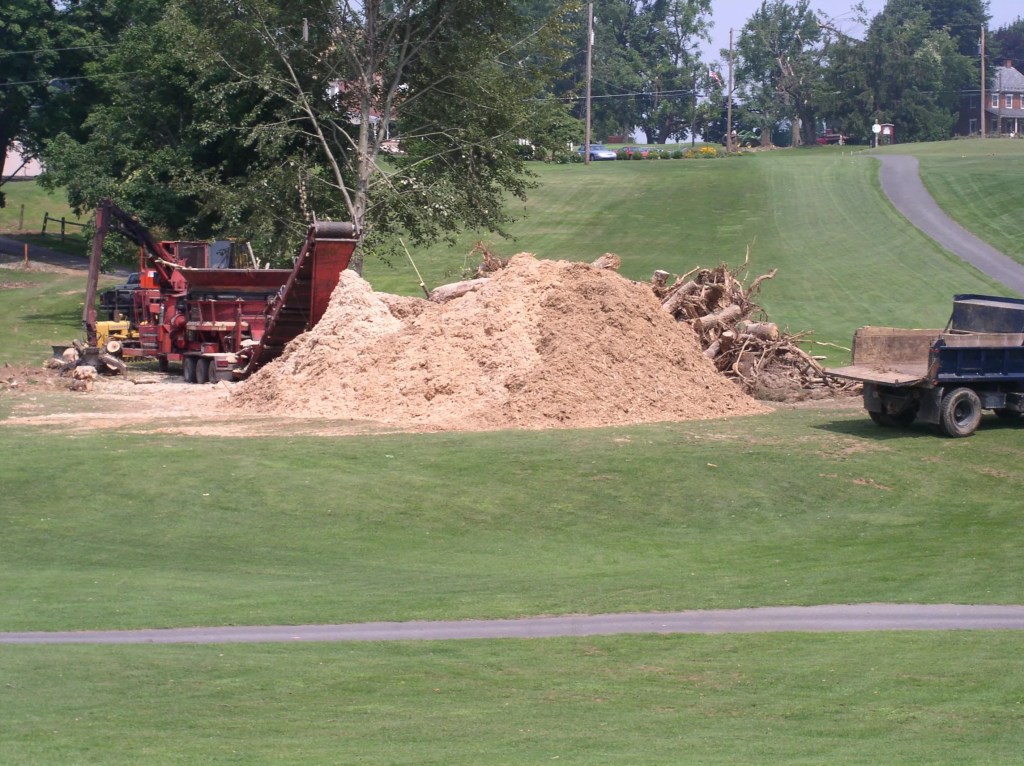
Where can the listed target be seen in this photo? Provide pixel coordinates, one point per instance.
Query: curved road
(773, 619)
(901, 182)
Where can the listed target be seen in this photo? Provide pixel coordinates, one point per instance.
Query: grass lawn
(978, 184)
(797, 699)
(845, 257)
(805, 506)
(802, 506)
(38, 309)
(37, 202)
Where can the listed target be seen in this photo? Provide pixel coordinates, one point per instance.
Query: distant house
(16, 166)
(1004, 105)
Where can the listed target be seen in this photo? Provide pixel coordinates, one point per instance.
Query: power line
(68, 79)
(56, 50)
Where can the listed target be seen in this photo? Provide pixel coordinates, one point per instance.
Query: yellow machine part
(113, 331)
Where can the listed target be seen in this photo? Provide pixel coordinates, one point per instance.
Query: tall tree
(962, 19)
(1007, 42)
(27, 57)
(780, 65)
(262, 114)
(646, 66)
(905, 72)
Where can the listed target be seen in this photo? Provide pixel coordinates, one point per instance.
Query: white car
(597, 152)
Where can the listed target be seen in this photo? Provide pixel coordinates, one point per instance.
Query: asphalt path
(901, 182)
(773, 619)
(13, 249)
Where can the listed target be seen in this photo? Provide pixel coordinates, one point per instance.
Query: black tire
(213, 375)
(188, 368)
(960, 413)
(202, 370)
(906, 417)
(900, 419)
(163, 363)
(882, 418)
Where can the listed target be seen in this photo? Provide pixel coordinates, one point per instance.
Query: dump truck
(944, 377)
(195, 306)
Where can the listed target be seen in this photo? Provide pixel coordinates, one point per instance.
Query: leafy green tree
(258, 116)
(780, 64)
(904, 72)
(962, 19)
(1007, 42)
(646, 66)
(27, 57)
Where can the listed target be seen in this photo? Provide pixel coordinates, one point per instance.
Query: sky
(734, 14)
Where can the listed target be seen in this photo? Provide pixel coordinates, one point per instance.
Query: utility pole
(590, 57)
(728, 109)
(693, 111)
(982, 80)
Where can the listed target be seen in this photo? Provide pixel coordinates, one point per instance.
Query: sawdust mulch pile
(541, 344)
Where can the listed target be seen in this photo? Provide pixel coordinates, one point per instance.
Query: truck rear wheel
(960, 412)
(900, 419)
(202, 370)
(188, 369)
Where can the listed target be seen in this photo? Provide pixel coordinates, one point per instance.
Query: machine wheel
(900, 419)
(188, 368)
(163, 364)
(960, 412)
(882, 418)
(202, 370)
(213, 375)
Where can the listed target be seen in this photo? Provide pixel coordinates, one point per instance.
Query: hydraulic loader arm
(109, 217)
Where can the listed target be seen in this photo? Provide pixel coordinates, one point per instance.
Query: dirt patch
(35, 266)
(543, 344)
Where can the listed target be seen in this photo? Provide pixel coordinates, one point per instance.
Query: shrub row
(704, 152)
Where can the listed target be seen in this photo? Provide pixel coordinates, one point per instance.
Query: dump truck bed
(890, 356)
(894, 357)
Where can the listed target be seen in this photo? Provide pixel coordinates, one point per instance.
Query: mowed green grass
(37, 310)
(37, 202)
(845, 257)
(118, 530)
(978, 184)
(935, 698)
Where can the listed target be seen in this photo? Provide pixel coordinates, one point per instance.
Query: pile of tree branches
(736, 335)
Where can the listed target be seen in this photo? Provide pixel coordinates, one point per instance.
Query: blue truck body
(945, 377)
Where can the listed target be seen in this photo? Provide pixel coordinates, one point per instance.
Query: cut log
(445, 293)
(112, 363)
(762, 330)
(675, 299)
(718, 318)
(609, 261)
(658, 282)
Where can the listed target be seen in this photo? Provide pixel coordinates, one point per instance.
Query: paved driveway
(901, 182)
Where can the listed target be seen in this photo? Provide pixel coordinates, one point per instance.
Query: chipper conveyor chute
(301, 302)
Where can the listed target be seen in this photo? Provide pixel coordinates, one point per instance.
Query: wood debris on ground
(733, 330)
(736, 335)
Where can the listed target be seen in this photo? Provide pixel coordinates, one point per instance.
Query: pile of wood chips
(734, 332)
(732, 328)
